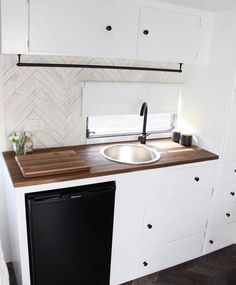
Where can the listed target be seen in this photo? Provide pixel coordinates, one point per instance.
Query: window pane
(102, 125)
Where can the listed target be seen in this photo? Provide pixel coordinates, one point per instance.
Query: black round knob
(211, 241)
(109, 28)
(234, 170)
(146, 32)
(149, 226)
(232, 193)
(196, 179)
(145, 263)
(228, 215)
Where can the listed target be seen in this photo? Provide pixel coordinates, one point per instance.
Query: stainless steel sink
(131, 154)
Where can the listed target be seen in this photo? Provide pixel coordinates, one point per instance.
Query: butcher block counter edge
(172, 154)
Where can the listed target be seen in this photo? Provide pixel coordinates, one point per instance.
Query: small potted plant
(19, 142)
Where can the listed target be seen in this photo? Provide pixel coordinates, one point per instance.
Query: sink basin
(130, 154)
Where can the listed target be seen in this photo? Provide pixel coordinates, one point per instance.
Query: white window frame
(119, 137)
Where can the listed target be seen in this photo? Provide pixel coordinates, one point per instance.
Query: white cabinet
(166, 35)
(223, 215)
(134, 29)
(159, 258)
(220, 237)
(178, 219)
(71, 27)
(175, 217)
(193, 178)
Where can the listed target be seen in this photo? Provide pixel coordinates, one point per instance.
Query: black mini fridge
(70, 235)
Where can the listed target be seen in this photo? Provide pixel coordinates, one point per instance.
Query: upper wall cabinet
(168, 35)
(134, 29)
(71, 27)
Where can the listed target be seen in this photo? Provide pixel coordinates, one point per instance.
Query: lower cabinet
(175, 217)
(167, 255)
(220, 237)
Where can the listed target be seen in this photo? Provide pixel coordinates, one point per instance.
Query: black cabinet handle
(149, 226)
(211, 241)
(108, 28)
(146, 32)
(228, 215)
(196, 179)
(145, 263)
(232, 193)
(234, 170)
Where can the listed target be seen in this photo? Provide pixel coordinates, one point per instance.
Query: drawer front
(162, 257)
(228, 172)
(220, 237)
(226, 194)
(175, 217)
(223, 215)
(190, 179)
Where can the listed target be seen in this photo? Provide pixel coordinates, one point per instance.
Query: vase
(18, 148)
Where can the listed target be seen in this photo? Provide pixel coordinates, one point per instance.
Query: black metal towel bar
(97, 66)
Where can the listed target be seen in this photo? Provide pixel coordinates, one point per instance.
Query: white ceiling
(211, 5)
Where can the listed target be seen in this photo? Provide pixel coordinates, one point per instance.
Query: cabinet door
(223, 215)
(162, 257)
(83, 27)
(193, 178)
(226, 194)
(174, 218)
(168, 35)
(220, 237)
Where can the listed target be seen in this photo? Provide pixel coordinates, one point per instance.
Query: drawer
(193, 178)
(220, 237)
(223, 215)
(228, 172)
(226, 194)
(162, 257)
(173, 218)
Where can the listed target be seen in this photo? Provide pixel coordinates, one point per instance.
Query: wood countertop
(171, 154)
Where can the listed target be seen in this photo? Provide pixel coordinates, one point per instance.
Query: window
(129, 125)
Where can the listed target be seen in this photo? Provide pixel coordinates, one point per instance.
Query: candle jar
(176, 136)
(186, 139)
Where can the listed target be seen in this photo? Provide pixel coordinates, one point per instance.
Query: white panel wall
(4, 236)
(208, 90)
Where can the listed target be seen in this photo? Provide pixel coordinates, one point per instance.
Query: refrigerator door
(70, 235)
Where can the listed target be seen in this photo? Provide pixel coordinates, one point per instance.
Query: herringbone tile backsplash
(54, 94)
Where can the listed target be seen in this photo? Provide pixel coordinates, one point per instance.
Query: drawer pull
(146, 32)
(196, 179)
(211, 241)
(149, 226)
(232, 193)
(145, 263)
(108, 28)
(228, 215)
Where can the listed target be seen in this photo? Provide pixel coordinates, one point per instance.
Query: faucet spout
(144, 113)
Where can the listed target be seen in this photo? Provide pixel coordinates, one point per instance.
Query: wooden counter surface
(171, 154)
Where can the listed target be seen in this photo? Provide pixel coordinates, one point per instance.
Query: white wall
(208, 89)
(4, 234)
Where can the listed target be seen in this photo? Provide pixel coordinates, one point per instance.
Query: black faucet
(144, 112)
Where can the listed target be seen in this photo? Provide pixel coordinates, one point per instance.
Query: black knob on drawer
(146, 32)
(232, 193)
(145, 263)
(109, 28)
(149, 226)
(211, 241)
(196, 179)
(228, 215)
(234, 170)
